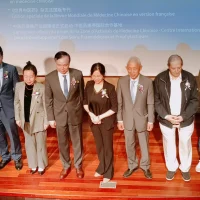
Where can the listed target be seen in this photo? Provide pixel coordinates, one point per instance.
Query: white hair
(134, 59)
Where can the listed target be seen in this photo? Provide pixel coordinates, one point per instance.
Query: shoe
(41, 172)
(198, 167)
(18, 164)
(64, 173)
(147, 173)
(170, 175)
(128, 172)
(79, 172)
(106, 180)
(186, 176)
(97, 174)
(3, 163)
(33, 171)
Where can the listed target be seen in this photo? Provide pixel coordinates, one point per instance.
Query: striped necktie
(65, 87)
(133, 90)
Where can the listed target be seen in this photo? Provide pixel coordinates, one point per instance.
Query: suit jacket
(109, 103)
(38, 116)
(189, 100)
(60, 108)
(9, 80)
(142, 111)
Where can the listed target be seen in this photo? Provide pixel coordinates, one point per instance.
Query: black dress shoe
(147, 173)
(79, 172)
(64, 173)
(3, 163)
(41, 172)
(18, 164)
(128, 172)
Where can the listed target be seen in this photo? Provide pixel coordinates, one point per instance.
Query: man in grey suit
(64, 90)
(136, 113)
(8, 78)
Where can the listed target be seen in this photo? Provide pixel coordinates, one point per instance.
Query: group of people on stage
(60, 103)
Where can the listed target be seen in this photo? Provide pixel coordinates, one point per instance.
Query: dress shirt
(175, 95)
(135, 85)
(61, 80)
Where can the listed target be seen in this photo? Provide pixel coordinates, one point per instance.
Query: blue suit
(8, 79)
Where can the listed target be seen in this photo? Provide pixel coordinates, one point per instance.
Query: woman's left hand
(96, 120)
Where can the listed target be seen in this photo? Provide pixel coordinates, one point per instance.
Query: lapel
(21, 95)
(5, 71)
(71, 76)
(184, 92)
(34, 97)
(105, 85)
(57, 85)
(168, 84)
(166, 80)
(127, 83)
(139, 93)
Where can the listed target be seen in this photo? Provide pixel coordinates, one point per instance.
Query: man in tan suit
(136, 113)
(64, 89)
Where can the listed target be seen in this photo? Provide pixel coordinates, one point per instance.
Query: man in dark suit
(64, 89)
(8, 78)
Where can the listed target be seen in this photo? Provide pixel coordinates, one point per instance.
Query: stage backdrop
(107, 31)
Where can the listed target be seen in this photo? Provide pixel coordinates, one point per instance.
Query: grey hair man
(136, 114)
(176, 102)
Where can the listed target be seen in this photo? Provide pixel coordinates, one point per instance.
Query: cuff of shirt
(166, 116)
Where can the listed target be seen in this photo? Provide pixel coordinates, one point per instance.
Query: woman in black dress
(100, 101)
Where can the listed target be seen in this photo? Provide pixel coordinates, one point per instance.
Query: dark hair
(1, 51)
(30, 66)
(61, 54)
(173, 58)
(98, 66)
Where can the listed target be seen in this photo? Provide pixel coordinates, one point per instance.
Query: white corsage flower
(74, 82)
(36, 94)
(5, 75)
(141, 88)
(187, 85)
(104, 93)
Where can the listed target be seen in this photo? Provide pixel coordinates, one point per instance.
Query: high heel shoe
(97, 174)
(106, 180)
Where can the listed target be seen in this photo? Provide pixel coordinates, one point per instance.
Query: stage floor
(23, 184)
